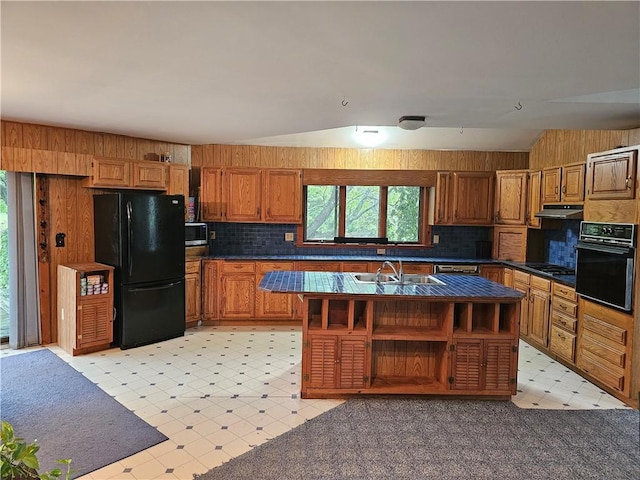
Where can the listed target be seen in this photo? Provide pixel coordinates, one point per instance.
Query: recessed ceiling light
(411, 122)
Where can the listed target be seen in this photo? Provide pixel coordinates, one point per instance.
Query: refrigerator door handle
(129, 239)
(160, 287)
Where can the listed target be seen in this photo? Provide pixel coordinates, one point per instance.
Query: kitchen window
(364, 214)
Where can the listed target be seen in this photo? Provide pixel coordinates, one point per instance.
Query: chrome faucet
(398, 274)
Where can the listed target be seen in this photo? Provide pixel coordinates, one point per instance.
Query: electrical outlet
(381, 251)
(212, 235)
(436, 239)
(288, 237)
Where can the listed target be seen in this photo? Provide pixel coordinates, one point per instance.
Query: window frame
(424, 228)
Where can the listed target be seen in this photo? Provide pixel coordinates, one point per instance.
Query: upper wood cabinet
(464, 198)
(178, 180)
(251, 195)
(534, 199)
(242, 191)
(563, 184)
(611, 175)
(511, 197)
(282, 196)
(121, 173)
(211, 194)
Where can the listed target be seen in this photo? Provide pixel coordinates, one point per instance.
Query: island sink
(407, 279)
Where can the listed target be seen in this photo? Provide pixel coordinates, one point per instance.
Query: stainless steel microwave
(196, 234)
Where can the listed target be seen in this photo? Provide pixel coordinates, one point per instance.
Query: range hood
(562, 212)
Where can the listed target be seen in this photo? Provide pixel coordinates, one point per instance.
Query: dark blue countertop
(456, 287)
(569, 280)
(356, 258)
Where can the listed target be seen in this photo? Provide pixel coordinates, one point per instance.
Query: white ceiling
(307, 73)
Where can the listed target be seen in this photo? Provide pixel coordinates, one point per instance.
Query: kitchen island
(438, 335)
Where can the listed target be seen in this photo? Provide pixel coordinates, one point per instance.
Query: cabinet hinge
(514, 348)
(367, 344)
(365, 379)
(451, 380)
(305, 377)
(512, 381)
(307, 344)
(452, 347)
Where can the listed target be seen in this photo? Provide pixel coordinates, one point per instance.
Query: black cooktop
(551, 269)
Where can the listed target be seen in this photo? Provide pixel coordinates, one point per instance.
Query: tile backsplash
(268, 239)
(560, 245)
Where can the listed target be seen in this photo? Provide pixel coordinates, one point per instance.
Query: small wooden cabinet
(492, 272)
(282, 200)
(242, 192)
(534, 198)
(484, 364)
(612, 175)
(121, 173)
(193, 290)
(211, 194)
(511, 197)
(464, 198)
(551, 178)
(563, 184)
(178, 180)
(535, 309)
(272, 305)
(85, 307)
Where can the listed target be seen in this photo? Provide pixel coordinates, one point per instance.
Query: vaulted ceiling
(488, 75)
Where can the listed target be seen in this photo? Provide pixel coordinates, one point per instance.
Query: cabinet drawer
(319, 266)
(355, 266)
(540, 283)
(192, 266)
(562, 343)
(612, 377)
(603, 352)
(564, 321)
(560, 290)
(564, 306)
(264, 267)
(238, 267)
(423, 268)
(521, 277)
(604, 329)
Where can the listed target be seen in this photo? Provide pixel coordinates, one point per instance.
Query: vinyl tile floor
(217, 392)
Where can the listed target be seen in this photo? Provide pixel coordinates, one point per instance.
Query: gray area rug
(44, 398)
(410, 438)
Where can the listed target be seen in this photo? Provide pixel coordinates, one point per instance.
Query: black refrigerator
(142, 236)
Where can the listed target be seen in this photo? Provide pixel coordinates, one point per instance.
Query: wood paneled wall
(561, 147)
(353, 158)
(41, 137)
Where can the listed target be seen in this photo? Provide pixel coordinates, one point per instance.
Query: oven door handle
(604, 248)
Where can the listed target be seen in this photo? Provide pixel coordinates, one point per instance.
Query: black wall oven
(605, 262)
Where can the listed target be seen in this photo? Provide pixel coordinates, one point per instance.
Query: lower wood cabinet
(273, 305)
(193, 290)
(210, 289)
(237, 290)
(408, 346)
(492, 272)
(85, 307)
(564, 322)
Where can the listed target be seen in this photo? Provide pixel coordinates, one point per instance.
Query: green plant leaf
(31, 461)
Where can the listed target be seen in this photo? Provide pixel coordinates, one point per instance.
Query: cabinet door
(322, 355)
(491, 272)
(352, 363)
(242, 193)
(211, 194)
(511, 188)
(192, 298)
(551, 178)
(273, 305)
(94, 322)
(472, 198)
(573, 183)
(210, 290)
(534, 203)
(507, 277)
(539, 310)
(467, 365)
(443, 196)
(510, 243)
(282, 201)
(501, 363)
(611, 176)
(524, 307)
(110, 172)
(149, 175)
(178, 180)
(237, 296)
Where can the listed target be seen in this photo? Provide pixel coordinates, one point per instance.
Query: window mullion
(382, 220)
(342, 211)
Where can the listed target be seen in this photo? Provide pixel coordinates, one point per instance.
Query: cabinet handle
(561, 337)
(556, 189)
(564, 189)
(564, 307)
(627, 182)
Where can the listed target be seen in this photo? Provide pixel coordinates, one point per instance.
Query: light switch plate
(436, 239)
(288, 237)
(381, 251)
(212, 235)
